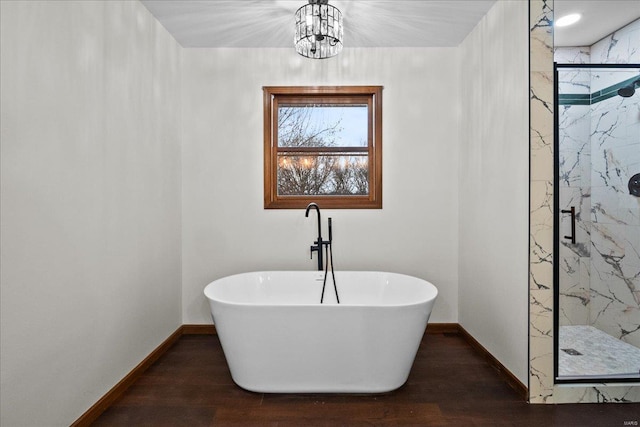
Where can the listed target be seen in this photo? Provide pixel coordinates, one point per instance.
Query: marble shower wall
(574, 185)
(621, 47)
(615, 145)
(599, 151)
(615, 215)
(599, 145)
(574, 122)
(542, 388)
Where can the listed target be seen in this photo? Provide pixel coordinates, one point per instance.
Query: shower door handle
(571, 211)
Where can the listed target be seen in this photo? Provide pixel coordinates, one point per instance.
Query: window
(323, 144)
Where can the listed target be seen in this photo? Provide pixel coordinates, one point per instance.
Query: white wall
(494, 189)
(226, 230)
(90, 219)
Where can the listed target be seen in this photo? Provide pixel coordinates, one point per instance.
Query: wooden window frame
(273, 95)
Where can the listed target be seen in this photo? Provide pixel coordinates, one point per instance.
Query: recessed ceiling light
(567, 20)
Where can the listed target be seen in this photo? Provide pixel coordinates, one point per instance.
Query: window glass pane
(322, 125)
(340, 174)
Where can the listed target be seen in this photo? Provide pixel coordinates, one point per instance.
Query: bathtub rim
(433, 291)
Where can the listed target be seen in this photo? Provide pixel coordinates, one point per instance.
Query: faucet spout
(317, 247)
(306, 214)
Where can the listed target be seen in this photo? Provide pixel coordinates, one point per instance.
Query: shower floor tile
(587, 351)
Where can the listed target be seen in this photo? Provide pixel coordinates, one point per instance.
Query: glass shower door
(597, 225)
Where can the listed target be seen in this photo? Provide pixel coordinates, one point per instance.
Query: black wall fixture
(634, 185)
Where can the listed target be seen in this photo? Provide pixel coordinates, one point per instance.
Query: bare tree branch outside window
(317, 172)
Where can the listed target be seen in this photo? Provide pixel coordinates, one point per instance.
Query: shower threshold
(595, 354)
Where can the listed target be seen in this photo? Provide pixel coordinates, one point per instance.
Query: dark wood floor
(450, 385)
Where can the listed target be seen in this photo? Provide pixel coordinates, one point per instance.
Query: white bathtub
(278, 338)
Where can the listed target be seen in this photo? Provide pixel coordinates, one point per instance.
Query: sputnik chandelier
(318, 30)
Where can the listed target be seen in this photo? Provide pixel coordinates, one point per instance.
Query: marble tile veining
(621, 47)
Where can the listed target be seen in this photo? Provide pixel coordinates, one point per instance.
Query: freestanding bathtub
(278, 338)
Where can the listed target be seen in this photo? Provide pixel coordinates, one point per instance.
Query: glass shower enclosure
(597, 223)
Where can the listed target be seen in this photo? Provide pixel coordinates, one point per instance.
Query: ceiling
(406, 23)
(599, 19)
(269, 23)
